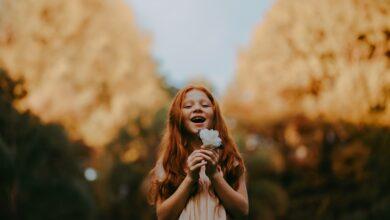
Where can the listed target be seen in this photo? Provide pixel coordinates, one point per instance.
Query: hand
(212, 158)
(194, 162)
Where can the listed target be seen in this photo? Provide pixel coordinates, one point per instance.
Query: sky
(198, 39)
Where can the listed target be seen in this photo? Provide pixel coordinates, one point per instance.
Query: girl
(192, 182)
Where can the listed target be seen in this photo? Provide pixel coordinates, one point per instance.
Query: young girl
(188, 180)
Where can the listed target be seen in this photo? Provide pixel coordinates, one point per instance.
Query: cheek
(184, 114)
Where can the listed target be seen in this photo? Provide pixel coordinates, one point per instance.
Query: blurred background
(85, 86)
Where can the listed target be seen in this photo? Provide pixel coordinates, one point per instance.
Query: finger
(216, 152)
(205, 156)
(195, 151)
(216, 157)
(198, 165)
(196, 160)
(189, 160)
(211, 154)
(206, 151)
(210, 160)
(199, 153)
(193, 154)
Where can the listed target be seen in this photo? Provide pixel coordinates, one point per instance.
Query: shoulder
(159, 170)
(239, 163)
(236, 162)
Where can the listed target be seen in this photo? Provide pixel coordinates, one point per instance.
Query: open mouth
(198, 119)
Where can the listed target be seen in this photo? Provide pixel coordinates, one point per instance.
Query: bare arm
(172, 207)
(235, 202)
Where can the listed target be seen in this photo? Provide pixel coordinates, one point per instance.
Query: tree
(41, 169)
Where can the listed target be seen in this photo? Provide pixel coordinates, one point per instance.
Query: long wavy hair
(175, 148)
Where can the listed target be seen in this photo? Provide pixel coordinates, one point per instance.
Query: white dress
(202, 206)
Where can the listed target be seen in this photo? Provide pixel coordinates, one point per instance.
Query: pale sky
(195, 39)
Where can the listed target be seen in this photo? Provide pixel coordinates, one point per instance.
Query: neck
(194, 142)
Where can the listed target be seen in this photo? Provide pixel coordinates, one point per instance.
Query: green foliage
(41, 169)
(122, 192)
(343, 176)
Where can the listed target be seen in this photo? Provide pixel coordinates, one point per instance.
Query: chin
(194, 130)
(197, 129)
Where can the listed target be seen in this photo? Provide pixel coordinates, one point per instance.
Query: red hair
(174, 149)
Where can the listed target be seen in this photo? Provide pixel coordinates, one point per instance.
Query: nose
(198, 108)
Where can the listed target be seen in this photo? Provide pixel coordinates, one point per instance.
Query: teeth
(198, 119)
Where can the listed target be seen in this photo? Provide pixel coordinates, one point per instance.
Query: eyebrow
(202, 100)
(187, 102)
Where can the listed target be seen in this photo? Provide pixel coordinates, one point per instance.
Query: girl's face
(197, 111)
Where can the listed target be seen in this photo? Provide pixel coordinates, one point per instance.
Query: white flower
(210, 138)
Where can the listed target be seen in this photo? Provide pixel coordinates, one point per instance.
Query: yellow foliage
(324, 59)
(85, 64)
